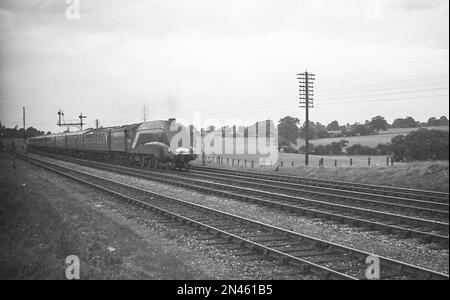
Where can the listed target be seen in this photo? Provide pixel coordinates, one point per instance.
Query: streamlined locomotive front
(154, 138)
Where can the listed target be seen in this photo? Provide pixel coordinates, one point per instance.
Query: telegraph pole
(145, 113)
(306, 100)
(23, 109)
(24, 130)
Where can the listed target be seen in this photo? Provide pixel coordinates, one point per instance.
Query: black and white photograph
(224, 148)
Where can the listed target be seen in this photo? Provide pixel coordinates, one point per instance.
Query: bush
(333, 148)
(422, 144)
(384, 149)
(320, 150)
(426, 145)
(302, 149)
(359, 149)
(289, 149)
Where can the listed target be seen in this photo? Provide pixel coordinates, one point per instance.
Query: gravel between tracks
(406, 250)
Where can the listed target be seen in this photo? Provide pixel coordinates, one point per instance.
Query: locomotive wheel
(154, 163)
(171, 165)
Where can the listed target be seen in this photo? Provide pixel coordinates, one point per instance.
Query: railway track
(410, 207)
(433, 196)
(403, 226)
(312, 256)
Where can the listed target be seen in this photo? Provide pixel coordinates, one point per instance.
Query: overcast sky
(233, 61)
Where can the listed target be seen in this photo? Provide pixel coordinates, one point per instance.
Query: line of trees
(335, 148)
(290, 129)
(19, 133)
(420, 145)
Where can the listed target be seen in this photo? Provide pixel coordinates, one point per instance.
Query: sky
(221, 62)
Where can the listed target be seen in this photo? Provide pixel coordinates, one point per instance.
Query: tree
(316, 131)
(398, 147)
(321, 132)
(426, 144)
(336, 147)
(333, 126)
(359, 149)
(433, 122)
(360, 129)
(302, 149)
(421, 144)
(383, 149)
(378, 123)
(288, 129)
(442, 121)
(19, 133)
(408, 122)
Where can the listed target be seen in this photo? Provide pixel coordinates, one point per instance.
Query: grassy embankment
(416, 175)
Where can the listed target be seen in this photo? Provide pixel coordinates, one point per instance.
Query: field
(371, 140)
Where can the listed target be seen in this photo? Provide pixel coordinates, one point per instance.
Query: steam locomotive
(146, 144)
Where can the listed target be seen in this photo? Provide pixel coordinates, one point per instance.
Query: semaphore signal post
(61, 122)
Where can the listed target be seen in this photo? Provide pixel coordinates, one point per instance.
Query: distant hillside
(371, 140)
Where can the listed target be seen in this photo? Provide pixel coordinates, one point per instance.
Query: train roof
(75, 132)
(60, 134)
(156, 124)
